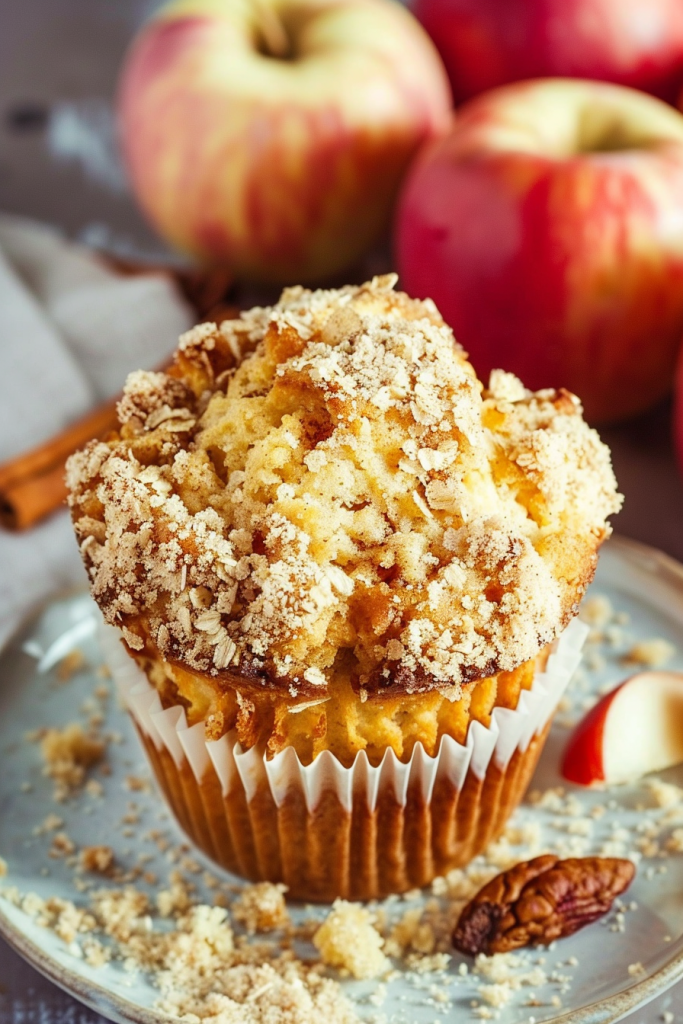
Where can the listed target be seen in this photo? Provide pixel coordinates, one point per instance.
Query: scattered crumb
(615, 636)
(665, 794)
(410, 932)
(674, 843)
(434, 964)
(498, 994)
(349, 941)
(200, 973)
(188, 864)
(651, 653)
(50, 824)
(511, 969)
(68, 753)
(597, 610)
(98, 859)
(378, 997)
(595, 661)
(261, 907)
(94, 953)
(135, 784)
(62, 846)
(176, 899)
(70, 664)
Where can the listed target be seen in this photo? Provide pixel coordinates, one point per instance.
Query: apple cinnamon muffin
(318, 530)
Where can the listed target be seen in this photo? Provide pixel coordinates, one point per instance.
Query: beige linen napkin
(70, 331)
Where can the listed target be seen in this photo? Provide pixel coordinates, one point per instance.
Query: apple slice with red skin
(635, 729)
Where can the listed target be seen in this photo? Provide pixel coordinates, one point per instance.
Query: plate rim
(104, 1001)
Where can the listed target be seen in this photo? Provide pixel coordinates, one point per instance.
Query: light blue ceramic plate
(592, 967)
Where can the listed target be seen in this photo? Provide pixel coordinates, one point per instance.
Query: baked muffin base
(331, 832)
(328, 831)
(332, 852)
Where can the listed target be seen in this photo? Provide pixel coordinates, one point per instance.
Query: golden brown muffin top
(324, 486)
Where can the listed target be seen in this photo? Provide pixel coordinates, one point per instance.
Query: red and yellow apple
(548, 228)
(635, 729)
(487, 43)
(273, 135)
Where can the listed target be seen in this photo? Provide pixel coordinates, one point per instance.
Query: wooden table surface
(58, 65)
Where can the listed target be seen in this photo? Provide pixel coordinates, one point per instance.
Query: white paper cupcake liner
(328, 831)
(508, 732)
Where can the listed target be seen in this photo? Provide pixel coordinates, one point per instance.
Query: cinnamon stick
(32, 485)
(59, 447)
(25, 502)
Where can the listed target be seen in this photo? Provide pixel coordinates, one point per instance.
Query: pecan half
(540, 900)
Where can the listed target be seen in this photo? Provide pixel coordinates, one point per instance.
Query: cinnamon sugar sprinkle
(324, 486)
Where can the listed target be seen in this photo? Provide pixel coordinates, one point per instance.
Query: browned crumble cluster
(98, 859)
(261, 907)
(68, 753)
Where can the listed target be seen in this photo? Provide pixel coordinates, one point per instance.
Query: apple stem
(272, 30)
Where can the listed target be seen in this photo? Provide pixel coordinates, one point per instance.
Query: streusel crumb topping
(325, 487)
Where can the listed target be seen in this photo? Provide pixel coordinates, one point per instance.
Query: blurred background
(60, 163)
